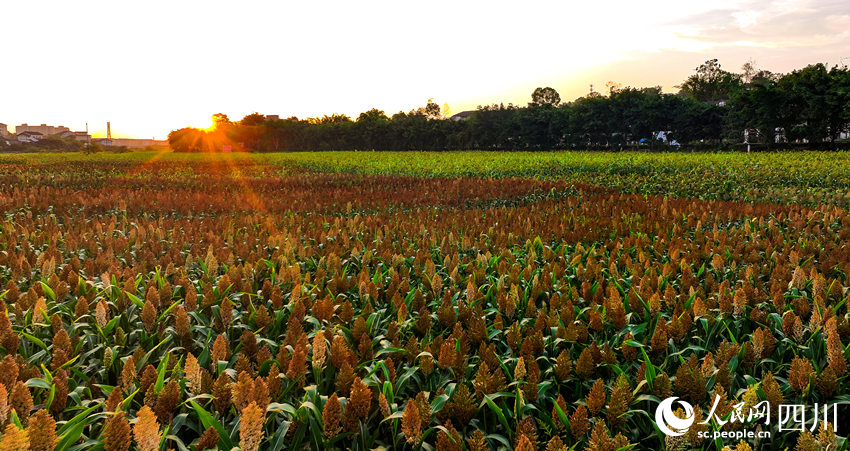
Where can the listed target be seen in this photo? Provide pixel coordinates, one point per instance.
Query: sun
(218, 119)
(212, 125)
(207, 125)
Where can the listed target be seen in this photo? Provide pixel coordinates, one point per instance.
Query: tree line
(712, 109)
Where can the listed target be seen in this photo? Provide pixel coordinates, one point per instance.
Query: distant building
(81, 136)
(26, 133)
(131, 143)
(272, 117)
(44, 129)
(29, 137)
(463, 115)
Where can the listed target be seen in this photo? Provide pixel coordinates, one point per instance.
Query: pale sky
(154, 66)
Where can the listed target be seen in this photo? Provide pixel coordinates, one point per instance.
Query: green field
(782, 177)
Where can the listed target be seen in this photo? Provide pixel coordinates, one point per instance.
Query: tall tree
(220, 119)
(253, 119)
(545, 97)
(710, 83)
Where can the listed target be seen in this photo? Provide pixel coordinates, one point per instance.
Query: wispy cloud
(770, 24)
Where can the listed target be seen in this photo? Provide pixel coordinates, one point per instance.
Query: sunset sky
(151, 67)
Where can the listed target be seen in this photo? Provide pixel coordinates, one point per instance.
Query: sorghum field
(456, 301)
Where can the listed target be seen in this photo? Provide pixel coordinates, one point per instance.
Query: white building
(29, 137)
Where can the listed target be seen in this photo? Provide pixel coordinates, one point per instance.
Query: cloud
(770, 24)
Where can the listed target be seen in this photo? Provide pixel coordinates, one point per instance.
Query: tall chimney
(108, 130)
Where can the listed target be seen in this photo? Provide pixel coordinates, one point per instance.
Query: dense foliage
(218, 300)
(713, 108)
